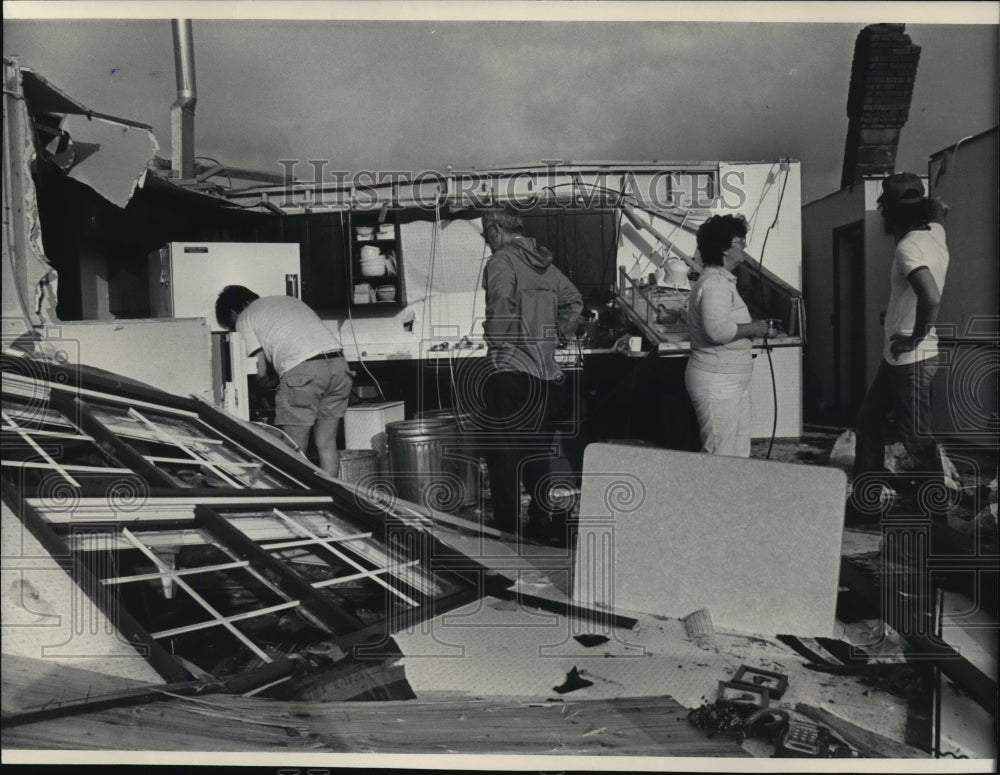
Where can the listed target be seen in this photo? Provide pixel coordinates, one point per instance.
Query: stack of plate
(363, 293)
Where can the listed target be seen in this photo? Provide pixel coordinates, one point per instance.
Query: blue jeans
(906, 391)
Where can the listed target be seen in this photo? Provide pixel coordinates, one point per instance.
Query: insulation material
(756, 542)
(108, 157)
(30, 283)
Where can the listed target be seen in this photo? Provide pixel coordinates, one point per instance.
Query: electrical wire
(771, 177)
(361, 360)
(613, 250)
(774, 395)
(477, 286)
(760, 286)
(954, 160)
(350, 317)
(936, 675)
(472, 322)
(430, 285)
(216, 161)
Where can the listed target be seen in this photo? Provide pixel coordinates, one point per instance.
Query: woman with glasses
(721, 364)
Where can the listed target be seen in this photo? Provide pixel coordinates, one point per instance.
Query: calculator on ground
(802, 739)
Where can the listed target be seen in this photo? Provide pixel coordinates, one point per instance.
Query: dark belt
(324, 356)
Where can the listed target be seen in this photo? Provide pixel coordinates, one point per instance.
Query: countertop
(412, 350)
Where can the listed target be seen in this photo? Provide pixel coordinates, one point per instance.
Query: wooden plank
(599, 617)
(29, 682)
(648, 726)
(46, 691)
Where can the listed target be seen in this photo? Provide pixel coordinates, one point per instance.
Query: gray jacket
(530, 307)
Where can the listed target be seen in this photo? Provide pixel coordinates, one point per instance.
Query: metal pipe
(182, 111)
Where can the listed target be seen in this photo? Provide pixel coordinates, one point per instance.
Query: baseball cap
(902, 188)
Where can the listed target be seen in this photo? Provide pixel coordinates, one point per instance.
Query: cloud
(414, 95)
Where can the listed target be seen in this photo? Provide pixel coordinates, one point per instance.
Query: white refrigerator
(184, 280)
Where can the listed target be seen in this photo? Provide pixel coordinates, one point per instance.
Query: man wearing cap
(909, 352)
(314, 380)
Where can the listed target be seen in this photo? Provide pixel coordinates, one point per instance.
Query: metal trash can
(467, 448)
(420, 469)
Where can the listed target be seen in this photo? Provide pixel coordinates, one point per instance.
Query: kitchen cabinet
(375, 262)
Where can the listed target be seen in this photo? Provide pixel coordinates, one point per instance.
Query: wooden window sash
(92, 509)
(52, 464)
(47, 434)
(356, 576)
(183, 630)
(168, 437)
(198, 598)
(129, 403)
(328, 544)
(311, 542)
(65, 468)
(176, 572)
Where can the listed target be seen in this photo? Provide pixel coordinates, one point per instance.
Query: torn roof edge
(45, 97)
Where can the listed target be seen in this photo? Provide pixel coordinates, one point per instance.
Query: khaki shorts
(313, 390)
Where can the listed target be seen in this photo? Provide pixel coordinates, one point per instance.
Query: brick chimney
(878, 103)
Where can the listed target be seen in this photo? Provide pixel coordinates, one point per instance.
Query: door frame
(847, 405)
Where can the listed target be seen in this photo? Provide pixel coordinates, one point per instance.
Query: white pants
(722, 405)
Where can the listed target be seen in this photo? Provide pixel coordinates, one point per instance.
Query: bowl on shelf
(386, 293)
(373, 268)
(364, 232)
(371, 253)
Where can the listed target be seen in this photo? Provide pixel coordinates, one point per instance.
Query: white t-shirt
(923, 248)
(286, 329)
